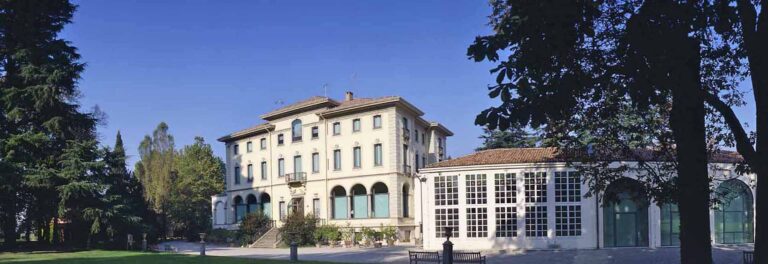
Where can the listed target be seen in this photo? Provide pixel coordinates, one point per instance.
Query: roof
(543, 155)
(438, 126)
(357, 104)
(254, 130)
(310, 103)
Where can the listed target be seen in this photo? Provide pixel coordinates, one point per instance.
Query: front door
(625, 223)
(297, 206)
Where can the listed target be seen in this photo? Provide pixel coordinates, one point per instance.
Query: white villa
(530, 199)
(350, 161)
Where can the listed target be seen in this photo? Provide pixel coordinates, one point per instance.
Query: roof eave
(287, 112)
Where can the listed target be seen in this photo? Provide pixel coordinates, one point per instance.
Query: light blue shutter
(381, 205)
(361, 206)
(340, 207)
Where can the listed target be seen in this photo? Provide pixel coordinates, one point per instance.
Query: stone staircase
(270, 239)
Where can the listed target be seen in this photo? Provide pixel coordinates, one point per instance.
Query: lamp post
(448, 246)
(422, 181)
(144, 242)
(294, 255)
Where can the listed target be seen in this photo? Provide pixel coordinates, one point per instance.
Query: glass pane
(361, 206)
(381, 205)
(340, 207)
(626, 230)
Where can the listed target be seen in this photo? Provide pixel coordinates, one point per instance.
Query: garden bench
(416, 257)
(468, 257)
(749, 257)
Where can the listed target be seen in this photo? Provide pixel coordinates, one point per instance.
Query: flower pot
(377, 245)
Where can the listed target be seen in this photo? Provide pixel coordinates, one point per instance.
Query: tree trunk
(687, 121)
(9, 225)
(761, 213)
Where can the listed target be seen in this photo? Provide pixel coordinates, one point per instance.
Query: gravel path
(722, 255)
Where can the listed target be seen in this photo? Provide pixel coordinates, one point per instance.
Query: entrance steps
(268, 240)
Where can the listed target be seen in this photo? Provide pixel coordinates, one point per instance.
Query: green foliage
(511, 138)
(221, 236)
(327, 233)
(389, 233)
(348, 233)
(299, 228)
(253, 224)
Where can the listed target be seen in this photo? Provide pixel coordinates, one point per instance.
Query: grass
(125, 257)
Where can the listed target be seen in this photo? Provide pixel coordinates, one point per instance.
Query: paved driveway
(722, 255)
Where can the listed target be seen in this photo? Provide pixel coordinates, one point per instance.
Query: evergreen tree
(39, 110)
(511, 138)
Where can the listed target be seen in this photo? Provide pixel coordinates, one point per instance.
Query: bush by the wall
(299, 228)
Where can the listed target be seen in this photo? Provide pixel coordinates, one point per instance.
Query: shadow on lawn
(149, 258)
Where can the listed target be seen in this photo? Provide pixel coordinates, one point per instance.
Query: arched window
(251, 204)
(296, 130)
(380, 202)
(266, 204)
(359, 202)
(240, 209)
(733, 213)
(625, 213)
(339, 202)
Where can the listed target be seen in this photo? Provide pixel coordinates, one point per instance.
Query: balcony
(406, 134)
(296, 177)
(407, 170)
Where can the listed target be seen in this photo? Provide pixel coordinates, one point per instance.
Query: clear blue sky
(208, 68)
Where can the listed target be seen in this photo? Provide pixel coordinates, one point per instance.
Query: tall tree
(511, 138)
(199, 174)
(742, 26)
(566, 58)
(155, 169)
(40, 113)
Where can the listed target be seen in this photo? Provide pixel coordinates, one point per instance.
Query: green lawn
(123, 257)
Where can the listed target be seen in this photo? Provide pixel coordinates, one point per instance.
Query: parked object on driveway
(468, 257)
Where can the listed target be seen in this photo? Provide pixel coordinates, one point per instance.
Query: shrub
(299, 228)
(389, 233)
(326, 233)
(251, 225)
(221, 236)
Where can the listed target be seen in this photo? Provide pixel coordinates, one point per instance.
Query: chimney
(348, 96)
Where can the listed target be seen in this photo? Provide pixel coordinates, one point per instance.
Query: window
(280, 167)
(536, 221)
(248, 147)
(446, 190)
(405, 123)
(235, 148)
(337, 159)
(424, 161)
(283, 210)
(567, 186)
(377, 155)
(446, 217)
(315, 162)
(297, 168)
(535, 187)
(506, 221)
(263, 170)
(316, 207)
(263, 143)
(250, 172)
(416, 136)
(670, 225)
(356, 125)
(376, 121)
(505, 188)
(356, 156)
(477, 191)
(477, 222)
(237, 175)
(336, 128)
(568, 220)
(315, 132)
(417, 162)
(280, 140)
(423, 139)
(296, 130)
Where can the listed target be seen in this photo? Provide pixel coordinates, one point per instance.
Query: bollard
(448, 246)
(144, 242)
(202, 244)
(294, 252)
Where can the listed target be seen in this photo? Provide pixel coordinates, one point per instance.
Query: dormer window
(296, 130)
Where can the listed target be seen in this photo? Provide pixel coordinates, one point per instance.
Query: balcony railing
(296, 177)
(406, 134)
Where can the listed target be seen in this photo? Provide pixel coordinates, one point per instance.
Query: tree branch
(743, 144)
(748, 16)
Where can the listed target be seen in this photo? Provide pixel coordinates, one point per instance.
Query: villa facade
(347, 162)
(531, 199)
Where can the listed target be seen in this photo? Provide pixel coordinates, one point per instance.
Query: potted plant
(348, 235)
(390, 234)
(319, 234)
(333, 235)
(369, 235)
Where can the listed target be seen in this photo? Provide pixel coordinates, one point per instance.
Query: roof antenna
(279, 102)
(352, 81)
(325, 90)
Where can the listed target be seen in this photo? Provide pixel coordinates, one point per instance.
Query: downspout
(597, 220)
